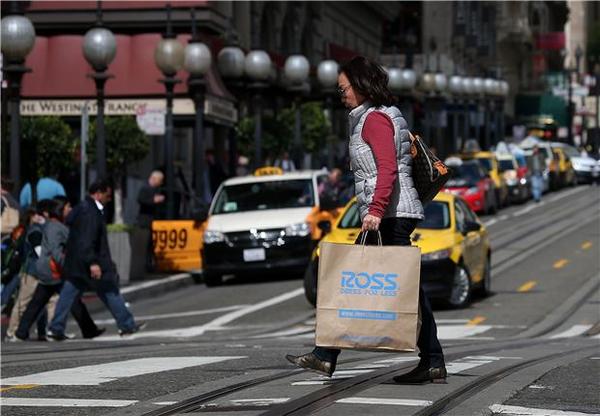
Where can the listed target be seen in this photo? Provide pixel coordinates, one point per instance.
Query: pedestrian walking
(151, 200)
(30, 247)
(88, 264)
(48, 271)
(537, 171)
(285, 163)
(9, 208)
(387, 199)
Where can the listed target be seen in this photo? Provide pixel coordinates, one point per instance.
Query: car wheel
(212, 279)
(486, 283)
(310, 282)
(460, 295)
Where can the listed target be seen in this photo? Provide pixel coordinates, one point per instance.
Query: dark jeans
(396, 232)
(40, 299)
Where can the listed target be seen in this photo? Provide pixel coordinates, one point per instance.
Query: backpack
(12, 254)
(10, 217)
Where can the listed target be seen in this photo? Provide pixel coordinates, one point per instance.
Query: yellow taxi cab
(489, 162)
(455, 250)
(268, 221)
(563, 166)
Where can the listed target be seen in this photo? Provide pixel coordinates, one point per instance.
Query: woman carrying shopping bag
(387, 199)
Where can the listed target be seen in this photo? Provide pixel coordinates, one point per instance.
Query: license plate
(254, 254)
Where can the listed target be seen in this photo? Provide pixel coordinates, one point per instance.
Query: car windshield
(260, 196)
(486, 164)
(351, 218)
(571, 151)
(437, 217)
(506, 164)
(467, 174)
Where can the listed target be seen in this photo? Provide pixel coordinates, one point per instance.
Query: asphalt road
(531, 347)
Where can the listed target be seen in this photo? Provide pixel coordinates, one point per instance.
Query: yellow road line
(559, 264)
(476, 321)
(527, 286)
(586, 245)
(19, 387)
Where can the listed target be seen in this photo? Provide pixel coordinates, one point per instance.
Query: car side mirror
(471, 226)
(324, 226)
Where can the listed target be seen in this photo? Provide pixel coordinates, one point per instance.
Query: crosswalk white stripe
(40, 402)
(574, 331)
(377, 400)
(260, 402)
(530, 411)
(177, 315)
(214, 325)
(93, 375)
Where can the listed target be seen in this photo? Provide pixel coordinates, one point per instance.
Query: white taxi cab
(269, 221)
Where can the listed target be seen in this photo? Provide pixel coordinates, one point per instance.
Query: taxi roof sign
(268, 170)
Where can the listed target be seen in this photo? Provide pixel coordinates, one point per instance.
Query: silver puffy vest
(404, 200)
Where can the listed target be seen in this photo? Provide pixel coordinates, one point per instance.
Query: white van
(265, 222)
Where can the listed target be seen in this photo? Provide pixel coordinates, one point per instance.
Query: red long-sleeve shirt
(378, 132)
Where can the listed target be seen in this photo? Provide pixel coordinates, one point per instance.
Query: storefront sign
(218, 109)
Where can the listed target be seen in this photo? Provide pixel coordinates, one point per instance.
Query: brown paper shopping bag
(368, 297)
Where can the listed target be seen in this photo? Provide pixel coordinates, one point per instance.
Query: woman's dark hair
(57, 207)
(368, 79)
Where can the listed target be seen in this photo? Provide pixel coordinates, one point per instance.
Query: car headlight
(211, 237)
(436, 255)
(472, 191)
(301, 229)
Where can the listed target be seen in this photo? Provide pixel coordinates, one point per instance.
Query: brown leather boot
(312, 363)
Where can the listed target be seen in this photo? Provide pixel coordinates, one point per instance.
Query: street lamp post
(230, 63)
(18, 38)
(427, 84)
(168, 56)
(467, 88)
(197, 61)
(99, 50)
(488, 89)
(456, 88)
(296, 70)
(477, 91)
(441, 83)
(257, 66)
(327, 74)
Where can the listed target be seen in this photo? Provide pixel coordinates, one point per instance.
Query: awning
(59, 71)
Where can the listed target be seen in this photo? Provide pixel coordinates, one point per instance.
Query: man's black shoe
(96, 333)
(423, 375)
(312, 363)
(137, 328)
(56, 337)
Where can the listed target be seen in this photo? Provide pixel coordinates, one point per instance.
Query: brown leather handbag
(429, 173)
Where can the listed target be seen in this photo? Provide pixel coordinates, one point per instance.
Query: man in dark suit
(88, 264)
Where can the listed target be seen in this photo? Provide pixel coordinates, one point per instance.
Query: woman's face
(349, 97)
(66, 210)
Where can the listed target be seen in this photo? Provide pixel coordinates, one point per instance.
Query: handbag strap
(363, 238)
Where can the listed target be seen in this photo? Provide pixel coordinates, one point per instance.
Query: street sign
(151, 120)
(577, 91)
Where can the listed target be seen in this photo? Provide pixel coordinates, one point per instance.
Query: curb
(147, 289)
